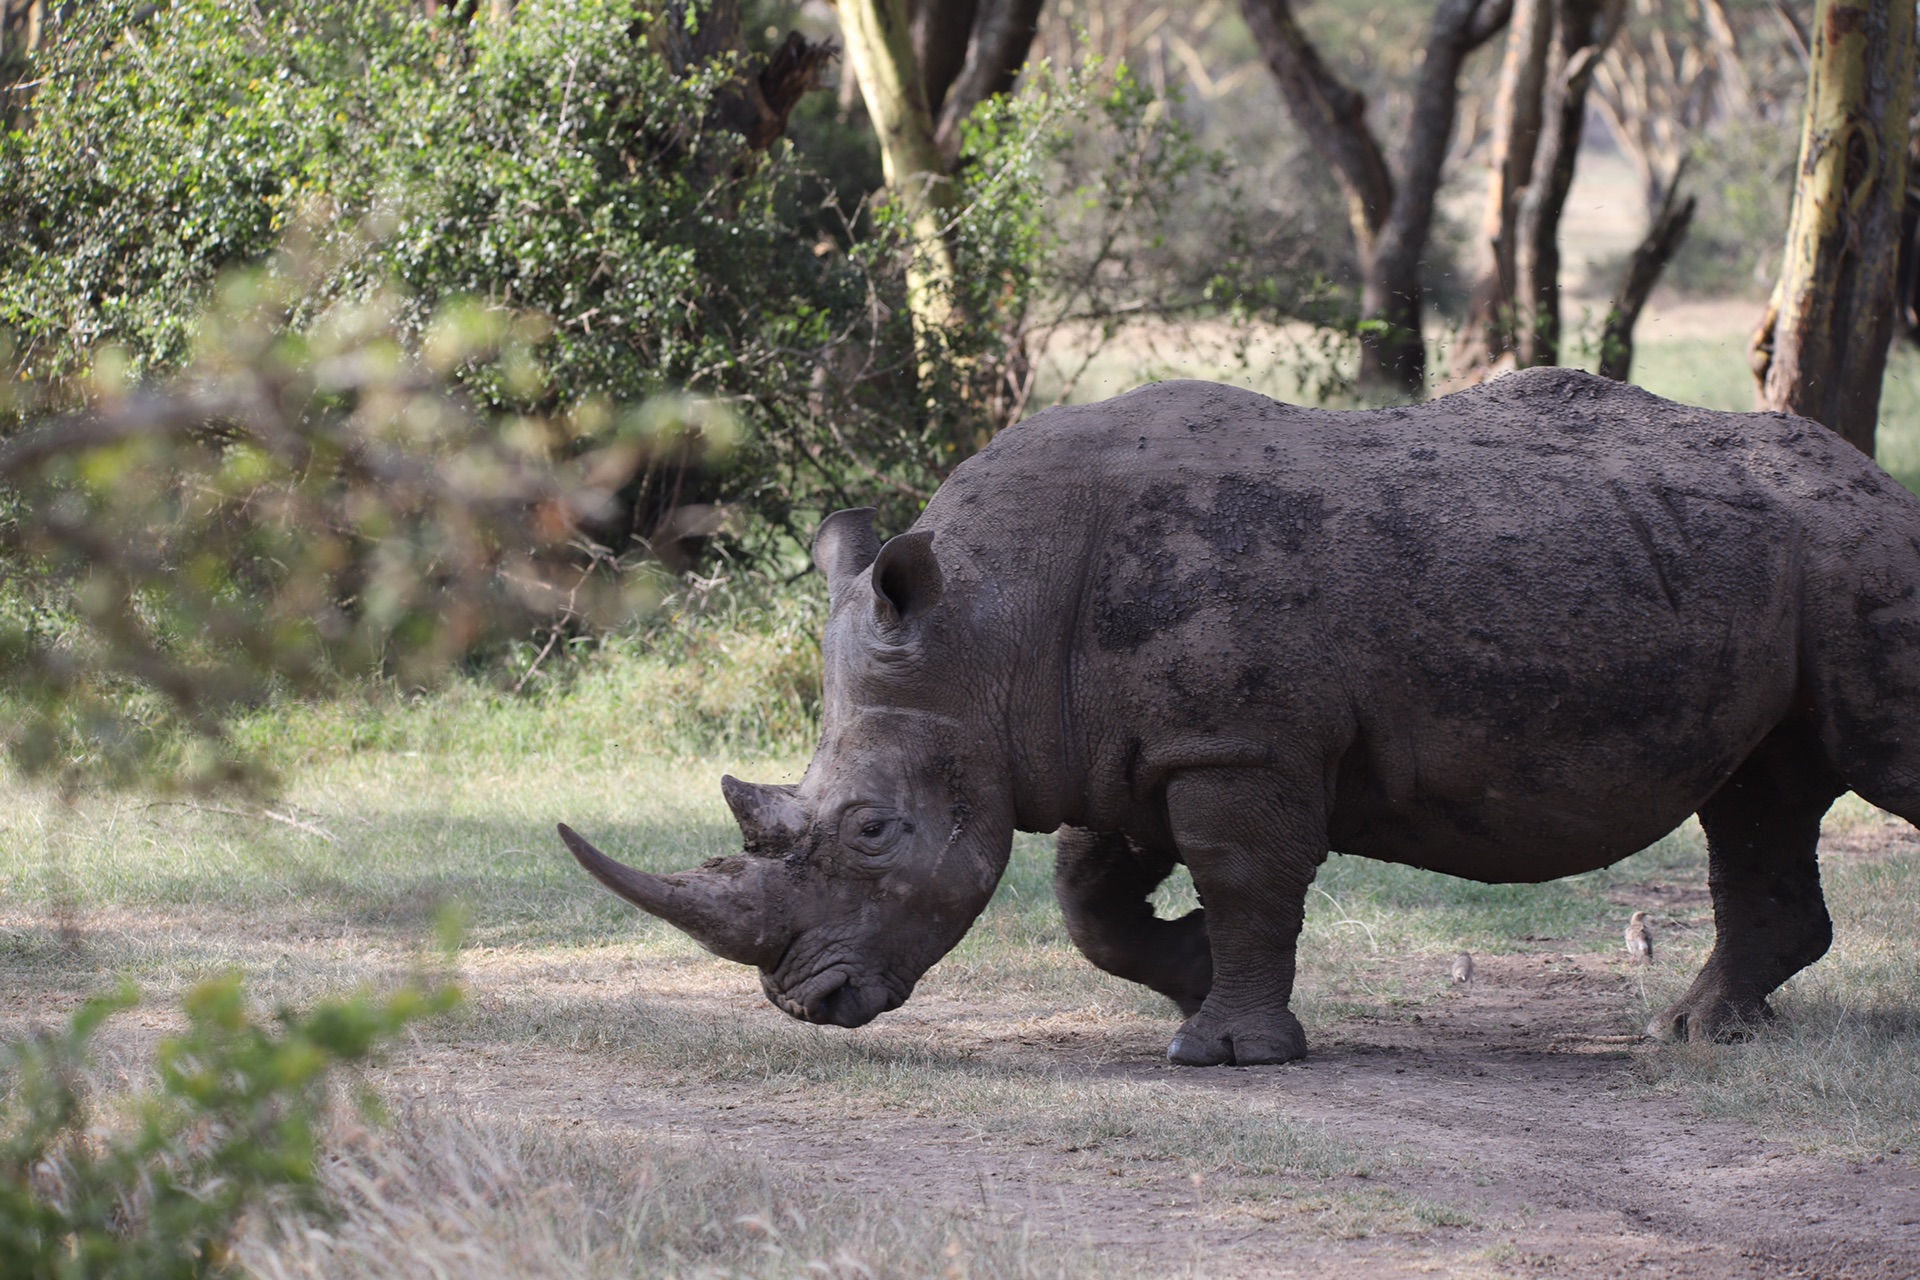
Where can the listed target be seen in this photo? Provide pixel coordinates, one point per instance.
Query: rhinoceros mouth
(832, 997)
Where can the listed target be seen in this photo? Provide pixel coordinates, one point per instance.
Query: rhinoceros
(1513, 634)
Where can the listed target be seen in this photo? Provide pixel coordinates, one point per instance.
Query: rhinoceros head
(855, 881)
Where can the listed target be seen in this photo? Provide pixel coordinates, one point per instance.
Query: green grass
(1838, 1073)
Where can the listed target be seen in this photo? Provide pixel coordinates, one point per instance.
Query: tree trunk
(1331, 113)
(940, 34)
(1582, 31)
(997, 47)
(1516, 135)
(880, 47)
(1821, 349)
(1391, 215)
(1649, 259)
(22, 28)
(1395, 362)
(756, 105)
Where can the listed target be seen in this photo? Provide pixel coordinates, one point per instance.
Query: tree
(1821, 347)
(1390, 208)
(1582, 30)
(1554, 48)
(922, 67)
(1644, 265)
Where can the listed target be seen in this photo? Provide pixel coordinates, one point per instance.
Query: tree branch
(1644, 267)
(1457, 30)
(1330, 112)
(1003, 34)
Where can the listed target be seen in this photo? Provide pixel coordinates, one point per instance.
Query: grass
(172, 891)
(1838, 1073)
(462, 1199)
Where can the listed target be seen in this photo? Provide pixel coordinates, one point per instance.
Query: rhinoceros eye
(872, 831)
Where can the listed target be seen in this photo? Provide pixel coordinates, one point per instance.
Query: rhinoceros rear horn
(844, 545)
(770, 818)
(724, 907)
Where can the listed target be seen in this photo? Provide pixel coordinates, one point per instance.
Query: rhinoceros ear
(845, 545)
(906, 579)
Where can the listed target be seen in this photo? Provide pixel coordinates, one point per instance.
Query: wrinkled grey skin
(1515, 634)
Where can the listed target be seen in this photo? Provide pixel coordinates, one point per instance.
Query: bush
(154, 1186)
(552, 166)
(555, 166)
(301, 509)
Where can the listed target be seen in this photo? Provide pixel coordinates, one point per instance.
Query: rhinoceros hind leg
(1770, 918)
(1103, 882)
(1253, 849)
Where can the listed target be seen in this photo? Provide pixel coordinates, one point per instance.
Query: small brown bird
(1640, 938)
(1463, 968)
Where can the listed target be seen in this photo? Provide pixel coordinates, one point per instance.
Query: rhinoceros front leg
(1103, 882)
(1253, 850)
(1769, 917)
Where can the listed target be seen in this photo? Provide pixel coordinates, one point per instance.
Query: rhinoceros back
(1502, 619)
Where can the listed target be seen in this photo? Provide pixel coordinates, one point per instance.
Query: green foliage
(153, 1186)
(556, 166)
(305, 505)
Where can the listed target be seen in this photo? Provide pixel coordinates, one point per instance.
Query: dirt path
(1508, 1132)
(1509, 1112)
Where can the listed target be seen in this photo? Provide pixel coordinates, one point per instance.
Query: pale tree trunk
(1821, 349)
(880, 50)
(1391, 213)
(1582, 31)
(944, 57)
(1516, 135)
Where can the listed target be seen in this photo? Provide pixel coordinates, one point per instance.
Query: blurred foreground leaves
(152, 1185)
(298, 508)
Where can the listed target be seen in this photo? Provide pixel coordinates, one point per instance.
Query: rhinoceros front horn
(725, 907)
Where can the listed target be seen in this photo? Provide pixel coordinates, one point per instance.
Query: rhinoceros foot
(1710, 1015)
(1210, 1040)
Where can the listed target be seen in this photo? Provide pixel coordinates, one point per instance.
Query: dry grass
(1838, 1073)
(443, 1193)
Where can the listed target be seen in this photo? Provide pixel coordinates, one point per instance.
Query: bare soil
(1521, 1142)
(1512, 1110)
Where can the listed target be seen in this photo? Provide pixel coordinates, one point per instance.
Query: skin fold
(1514, 634)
